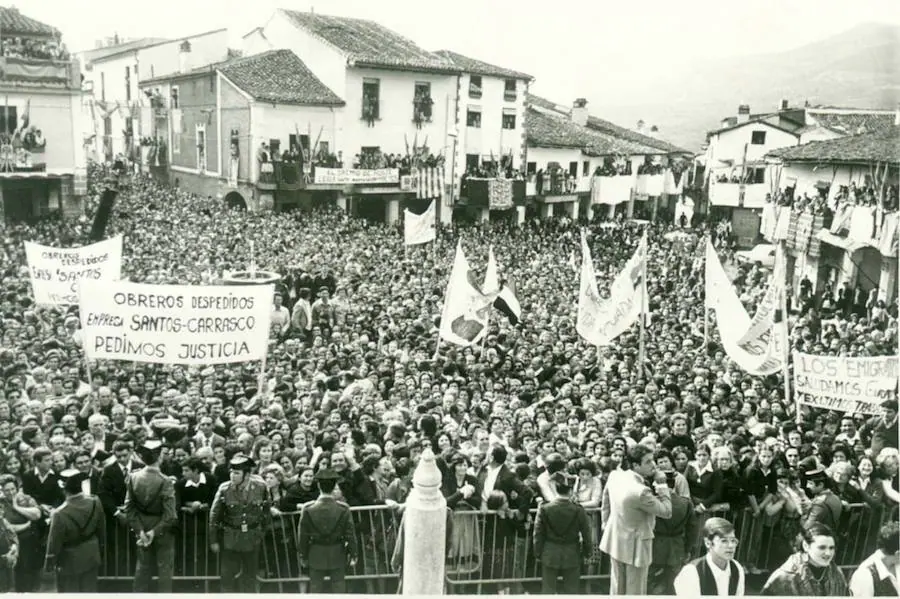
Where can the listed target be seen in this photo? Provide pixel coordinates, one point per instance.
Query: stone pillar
(572, 209)
(343, 202)
(391, 210)
(611, 211)
(629, 209)
(425, 531)
(546, 210)
(445, 213)
(887, 284)
(520, 215)
(484, 215)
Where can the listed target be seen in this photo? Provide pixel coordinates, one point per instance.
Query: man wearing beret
(327, 538)
(237, 523)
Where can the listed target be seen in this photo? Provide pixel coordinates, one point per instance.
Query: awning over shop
(844, 243)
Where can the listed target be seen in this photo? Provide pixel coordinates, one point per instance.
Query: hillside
(858, 68)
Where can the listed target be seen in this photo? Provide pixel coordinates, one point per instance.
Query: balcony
(510, 95)
(612, 189)
(650, 185)
(738, 195)
(56, 73)
(281, 176)
(496, 194)
(555, 186)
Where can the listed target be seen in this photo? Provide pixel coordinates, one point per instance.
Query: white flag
(419, 228)
(756, 347)
(466, 309)
(491, 278)
(601, 321)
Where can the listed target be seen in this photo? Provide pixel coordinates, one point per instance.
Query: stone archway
(235, 200)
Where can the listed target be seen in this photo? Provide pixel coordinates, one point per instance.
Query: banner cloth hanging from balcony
(500, 194)
(430, 184)
(783, 225)
(611, 190)
(650, 185)
(671, 186)
(888, 242)
(768, 221)
(815, 244)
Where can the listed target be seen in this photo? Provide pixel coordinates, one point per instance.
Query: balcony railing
(497, 194)
(509, 95)
(738, 195)
(36, 69)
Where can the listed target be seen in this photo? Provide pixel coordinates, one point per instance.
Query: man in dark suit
(327, 537)
(77, 530)
(42, 484)
(111, 491)
(496, 475)
(207, 436)
(150, 511)
(91, 483)
(562, 538)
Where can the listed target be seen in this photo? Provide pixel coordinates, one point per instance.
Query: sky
(582, 48)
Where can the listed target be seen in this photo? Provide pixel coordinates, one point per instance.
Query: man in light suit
(629, 511)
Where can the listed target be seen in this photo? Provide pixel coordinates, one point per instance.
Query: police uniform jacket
(326, 534)
(76, 531)
(239, 515)
(150, 501)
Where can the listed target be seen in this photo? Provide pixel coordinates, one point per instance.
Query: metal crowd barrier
(484, 548)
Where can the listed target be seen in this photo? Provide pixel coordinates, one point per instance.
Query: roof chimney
(184, 57)
(579, 113)
(784, 104)
(743, 114)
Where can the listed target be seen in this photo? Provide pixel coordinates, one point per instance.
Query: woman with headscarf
(810, 572)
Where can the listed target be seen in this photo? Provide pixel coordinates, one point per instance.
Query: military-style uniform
(327, 540)
(77, 530)
(150, 506)
(238, 521)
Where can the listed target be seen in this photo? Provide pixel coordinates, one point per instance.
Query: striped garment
(430, 183)
(815, 244)
(791, 240)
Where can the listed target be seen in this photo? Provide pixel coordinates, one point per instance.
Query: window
(174, 97)
(475, 86)
(758, 138)
(128, 84)
(585, 168)
(422, 102)
(323, 147)
(509, 89)
(10, 120)
(531, 168)
(303, 142)
(371, 99)
(103, 87)
(758, 176)
(473, 118)
(509, 121)
(472, 161)
(201, 147)
(573, 169)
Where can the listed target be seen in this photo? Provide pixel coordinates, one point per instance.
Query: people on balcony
(18, 47)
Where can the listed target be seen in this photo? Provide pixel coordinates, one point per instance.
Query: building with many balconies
(42, 161)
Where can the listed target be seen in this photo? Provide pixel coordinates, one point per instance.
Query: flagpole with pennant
(705, 311)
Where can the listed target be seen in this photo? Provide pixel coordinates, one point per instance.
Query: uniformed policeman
(237, 523)
(74, 543)
(150, 512)
(327, 537)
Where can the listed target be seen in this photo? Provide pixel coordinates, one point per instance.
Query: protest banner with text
(845, 384)
(175, 324)
(56, 272)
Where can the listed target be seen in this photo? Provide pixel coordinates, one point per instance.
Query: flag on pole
(507, 302)
(491, 278)
(465, 313)
(600, 321)
(419, 228)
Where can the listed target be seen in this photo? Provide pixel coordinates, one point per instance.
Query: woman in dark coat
(463, 494)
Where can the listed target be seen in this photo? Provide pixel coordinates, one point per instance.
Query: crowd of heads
(366, 387)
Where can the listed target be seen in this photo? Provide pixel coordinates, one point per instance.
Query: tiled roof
(853, 123)
(279, 76)
(12, 22)
(545, 130)
(603, 126)
(865, 148)
(367, 43)
(96, 54)
(477, 67)
(759, 121)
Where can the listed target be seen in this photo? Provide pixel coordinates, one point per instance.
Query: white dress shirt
(489, 481)
(861, 583)
(687, 583)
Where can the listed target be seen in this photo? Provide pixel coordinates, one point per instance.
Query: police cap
(327, 474)
(816, 475)
(241, 462)
(150, 450)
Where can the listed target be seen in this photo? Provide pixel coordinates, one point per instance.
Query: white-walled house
(120, 114)
(231, 115)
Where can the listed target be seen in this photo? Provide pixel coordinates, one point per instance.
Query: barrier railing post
(425, 531)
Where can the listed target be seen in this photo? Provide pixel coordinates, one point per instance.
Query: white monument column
(425, 531)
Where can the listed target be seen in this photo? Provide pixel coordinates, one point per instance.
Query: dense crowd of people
(18, 47)
(355, 388)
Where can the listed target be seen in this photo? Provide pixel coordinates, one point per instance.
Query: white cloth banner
(57, 272)
(419, 228)
(611, 190)
(466, 309)
(759, 354)
(175, 324)
(857, 385)
(669, 185)
(684, 207)
(600, 321)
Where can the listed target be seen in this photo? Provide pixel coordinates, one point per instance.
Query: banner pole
(786, 370)
(262, 373)
(641, 347)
